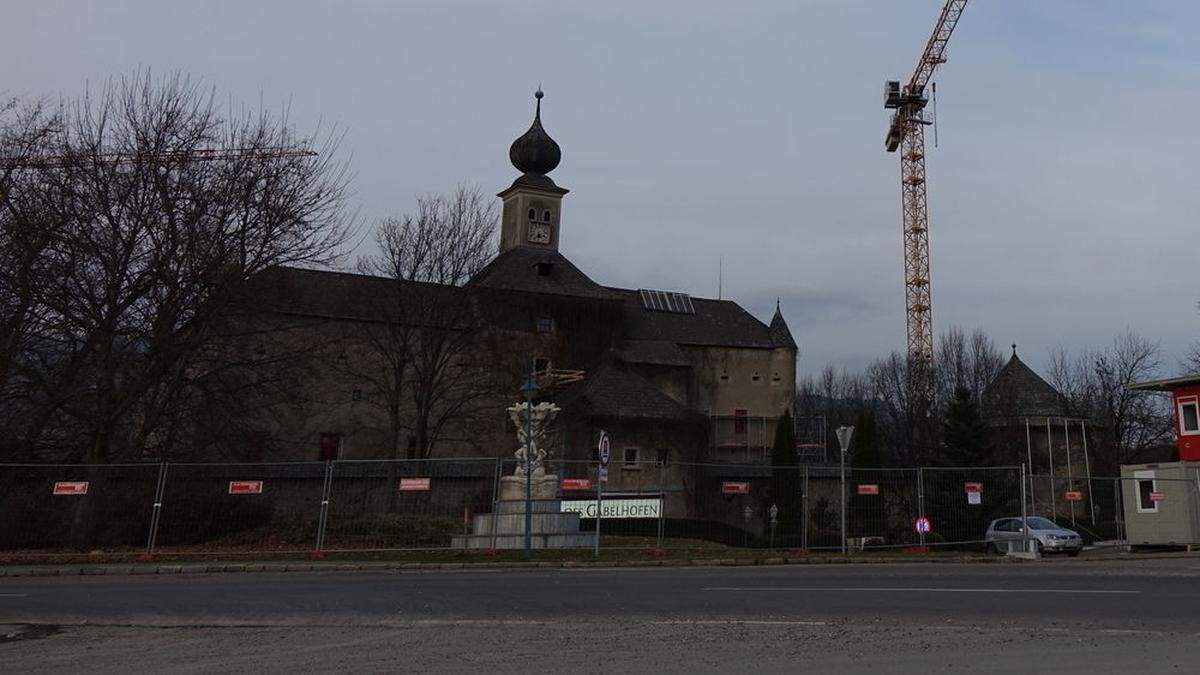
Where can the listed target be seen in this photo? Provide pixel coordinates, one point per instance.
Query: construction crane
(907, 133)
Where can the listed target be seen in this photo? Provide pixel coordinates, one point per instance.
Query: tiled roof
(653, 353)
(720, 323)
(538, 270)
(614, 392)
(1017, 391)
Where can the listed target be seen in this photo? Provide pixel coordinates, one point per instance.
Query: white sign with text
(615, 507)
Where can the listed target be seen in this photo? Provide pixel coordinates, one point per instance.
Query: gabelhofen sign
(615, 507)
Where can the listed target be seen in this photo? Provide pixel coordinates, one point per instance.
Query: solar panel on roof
(667, 301)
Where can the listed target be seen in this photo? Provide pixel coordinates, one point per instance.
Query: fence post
(921, 498)
(157, 509)
(324, 504)
(1197, 499)
(495, 503)
(1024, 515)
(804, 511)
(662, 504)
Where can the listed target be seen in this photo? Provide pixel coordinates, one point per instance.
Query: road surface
(1065, 616)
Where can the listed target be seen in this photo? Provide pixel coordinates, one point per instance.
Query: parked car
(1047, 536)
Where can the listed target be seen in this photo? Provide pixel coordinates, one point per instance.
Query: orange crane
(907, 133)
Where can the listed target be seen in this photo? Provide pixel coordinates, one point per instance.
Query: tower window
(545, 325)
(546, 216)
(532, 214)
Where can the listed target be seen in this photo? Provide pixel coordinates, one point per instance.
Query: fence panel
(960, 503)
(240, 508)
(406, 504)
(882, 506)
(76, 508)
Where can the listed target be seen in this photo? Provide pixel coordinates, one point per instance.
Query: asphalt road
(1074, 617)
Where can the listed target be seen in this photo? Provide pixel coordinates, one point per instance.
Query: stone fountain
(549, 526)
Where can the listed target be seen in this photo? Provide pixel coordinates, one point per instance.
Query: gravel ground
(589, 646)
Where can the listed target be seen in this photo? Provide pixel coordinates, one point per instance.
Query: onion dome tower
(533, 202)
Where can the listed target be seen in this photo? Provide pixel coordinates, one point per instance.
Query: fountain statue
(532, 423)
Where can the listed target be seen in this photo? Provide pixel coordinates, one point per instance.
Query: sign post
(603, 452)
(844, 434)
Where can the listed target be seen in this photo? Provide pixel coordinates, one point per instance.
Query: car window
(1006, 525)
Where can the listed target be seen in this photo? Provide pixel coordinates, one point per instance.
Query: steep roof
(335, 295)
(612, 391)
(718, 323)
(538, 270)
(653, 353)
(1019, 391)
(780, 334)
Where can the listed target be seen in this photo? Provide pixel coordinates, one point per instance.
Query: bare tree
(427, 350)
(166, 210)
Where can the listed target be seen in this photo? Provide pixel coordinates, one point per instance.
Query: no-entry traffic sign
(245, 487)
(735, 488)
(71, 487)
(866, 489)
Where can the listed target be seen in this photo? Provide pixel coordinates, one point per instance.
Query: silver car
(1046, 535)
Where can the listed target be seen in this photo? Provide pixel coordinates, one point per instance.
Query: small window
(541, 364)
(724, 377)
(631, 458)
(544, 268)
(1145, 503)
(739, 421)
(1189, 416)
(546, 216)
(545, 325)
(663, 456)
(755, 377)
(356, 395)
(532, 214)
(331, 446)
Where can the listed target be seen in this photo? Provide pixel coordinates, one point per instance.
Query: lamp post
(844, 434)
(774, 521)
(529, 388)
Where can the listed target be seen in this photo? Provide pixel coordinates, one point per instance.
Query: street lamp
(844, 434)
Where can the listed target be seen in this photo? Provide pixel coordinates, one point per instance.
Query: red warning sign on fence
(576, 484)
(868, 489)
(414, 484)
(1157, 496)
(71, 487)
(1074, 496)
(972, 487)
(735, 488)
(245, 487)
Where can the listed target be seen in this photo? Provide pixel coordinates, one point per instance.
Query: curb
(402, 567)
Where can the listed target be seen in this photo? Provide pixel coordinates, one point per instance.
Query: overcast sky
(1063, 196)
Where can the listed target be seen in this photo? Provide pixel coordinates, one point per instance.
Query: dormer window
(546, 216)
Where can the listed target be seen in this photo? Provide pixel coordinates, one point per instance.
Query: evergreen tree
(965, 436)
(786, 478)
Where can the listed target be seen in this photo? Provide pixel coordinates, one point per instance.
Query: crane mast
(906, 133)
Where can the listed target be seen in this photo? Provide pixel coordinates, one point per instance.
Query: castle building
(658, 370)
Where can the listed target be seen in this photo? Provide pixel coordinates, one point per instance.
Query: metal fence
(469, 504)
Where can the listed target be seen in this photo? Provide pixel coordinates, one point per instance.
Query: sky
(745, 135)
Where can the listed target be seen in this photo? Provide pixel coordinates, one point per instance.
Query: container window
(1145, 504)
(1189, 417)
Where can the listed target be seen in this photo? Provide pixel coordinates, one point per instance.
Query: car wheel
(991, 549)
(1037, 548)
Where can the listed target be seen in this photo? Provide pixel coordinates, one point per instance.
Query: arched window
(546, 216)
(532, 214)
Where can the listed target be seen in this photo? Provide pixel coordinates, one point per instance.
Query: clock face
(539, 233)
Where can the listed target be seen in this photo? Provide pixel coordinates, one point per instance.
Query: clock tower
(532, 204)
